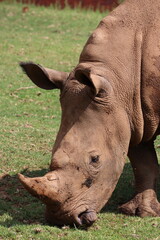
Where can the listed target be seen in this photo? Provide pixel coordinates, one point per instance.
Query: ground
(30, 119)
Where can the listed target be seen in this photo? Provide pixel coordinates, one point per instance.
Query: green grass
(30, 119)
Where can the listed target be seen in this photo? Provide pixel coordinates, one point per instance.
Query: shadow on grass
(18, 207)
(123, 192)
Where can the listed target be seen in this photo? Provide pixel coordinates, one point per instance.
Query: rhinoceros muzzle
(87, 218)
(84, 219)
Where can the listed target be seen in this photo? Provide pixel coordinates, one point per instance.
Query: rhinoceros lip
(86, 218)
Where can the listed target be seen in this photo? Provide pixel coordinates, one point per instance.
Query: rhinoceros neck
(138, 25)
(116, 45)
(124, 48)
(143, 5)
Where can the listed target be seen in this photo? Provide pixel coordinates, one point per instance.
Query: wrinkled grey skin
(110, 108)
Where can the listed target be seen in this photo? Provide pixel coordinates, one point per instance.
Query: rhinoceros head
(90, 148)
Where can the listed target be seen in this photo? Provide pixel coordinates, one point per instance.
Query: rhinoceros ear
(44, 77)
(97, 82)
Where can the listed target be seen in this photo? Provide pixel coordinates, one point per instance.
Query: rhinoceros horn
(45, 188)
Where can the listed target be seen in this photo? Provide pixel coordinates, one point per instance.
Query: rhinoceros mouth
(81, 218)
(86, 218)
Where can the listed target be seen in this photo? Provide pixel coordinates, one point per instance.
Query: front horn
(45, 188)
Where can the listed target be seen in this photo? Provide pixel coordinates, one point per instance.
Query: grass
(30, 119)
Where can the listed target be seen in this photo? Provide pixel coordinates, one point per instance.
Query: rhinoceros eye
(102, 93)
(95, 159)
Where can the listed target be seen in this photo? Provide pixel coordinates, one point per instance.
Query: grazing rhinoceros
(110, 109)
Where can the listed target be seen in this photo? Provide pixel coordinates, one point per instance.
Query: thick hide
(110, 109)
